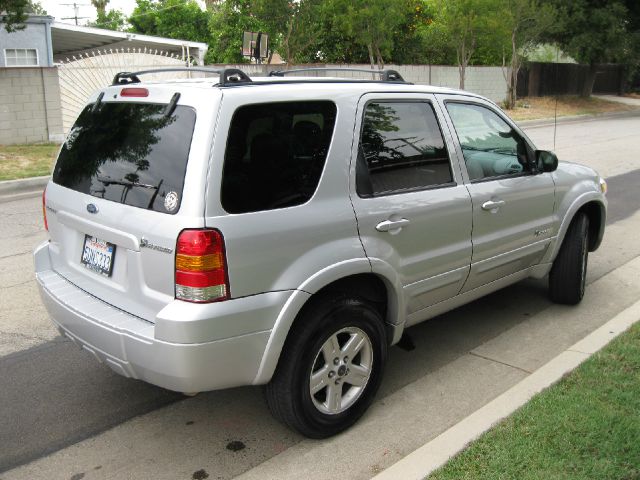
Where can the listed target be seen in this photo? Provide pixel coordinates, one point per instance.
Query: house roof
(68, 39)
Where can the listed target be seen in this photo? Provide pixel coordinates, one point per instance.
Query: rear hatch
(128, 180)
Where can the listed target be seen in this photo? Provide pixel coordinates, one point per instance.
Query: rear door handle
(493, 205)
(389, 225)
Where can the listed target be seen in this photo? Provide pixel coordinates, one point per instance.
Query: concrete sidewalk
(619, 99)
(436, 453)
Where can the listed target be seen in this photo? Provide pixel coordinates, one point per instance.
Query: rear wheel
(569, 272)
(331, 367)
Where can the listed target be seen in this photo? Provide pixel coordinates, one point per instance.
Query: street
(73, 418)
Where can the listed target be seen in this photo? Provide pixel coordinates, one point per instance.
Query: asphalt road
(52, 395)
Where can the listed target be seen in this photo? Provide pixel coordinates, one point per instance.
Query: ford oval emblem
(91, 208)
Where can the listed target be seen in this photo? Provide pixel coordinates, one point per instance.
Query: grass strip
(585, 427)
(24, 161)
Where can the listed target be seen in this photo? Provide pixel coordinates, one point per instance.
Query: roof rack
(228, 76)
(386, 75)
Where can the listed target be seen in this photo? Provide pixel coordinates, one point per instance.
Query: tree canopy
(592, 32)
(14, 12)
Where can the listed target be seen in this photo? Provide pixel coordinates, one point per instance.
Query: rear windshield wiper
(106, 181)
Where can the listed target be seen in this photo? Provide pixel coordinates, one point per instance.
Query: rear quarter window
(130, 153)
(275, 154)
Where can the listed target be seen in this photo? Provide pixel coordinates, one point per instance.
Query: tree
(292, 26)
(333, 44)
(100, 6)
(593, 32)
(180, 19)
(370, 23)
(633, 29)
(227, 22)
(465, 23)
(526, 22)
(410, 44)
(13, 13)
(112, 20)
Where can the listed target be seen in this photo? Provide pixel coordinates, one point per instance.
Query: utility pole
(76, 11)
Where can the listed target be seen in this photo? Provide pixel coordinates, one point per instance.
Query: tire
(569, 271)
(329, 324)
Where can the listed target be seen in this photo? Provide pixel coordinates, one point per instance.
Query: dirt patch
(534, 108)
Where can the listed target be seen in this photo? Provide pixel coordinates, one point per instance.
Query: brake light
(134, 92)
(201, 267)
(44, 208)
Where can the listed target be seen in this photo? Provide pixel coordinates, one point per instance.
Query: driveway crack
(502, 363)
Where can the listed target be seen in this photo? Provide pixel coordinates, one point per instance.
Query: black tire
(288, 394)
(568, 274)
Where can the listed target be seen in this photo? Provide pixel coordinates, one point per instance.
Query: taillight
(201, 267)
(44, 208)
(134, 92)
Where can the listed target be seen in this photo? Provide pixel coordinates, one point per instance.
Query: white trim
(37, 65)
(126, 35)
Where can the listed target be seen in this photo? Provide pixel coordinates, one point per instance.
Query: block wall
(29, 106)
(485, 81)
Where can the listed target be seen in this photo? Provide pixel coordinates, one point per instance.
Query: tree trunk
(461, 65)
(379, 57)
(371, 60)
(513, 74)
(587, 86)
(286, 43)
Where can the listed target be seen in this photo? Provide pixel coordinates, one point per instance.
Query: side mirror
(547, 161)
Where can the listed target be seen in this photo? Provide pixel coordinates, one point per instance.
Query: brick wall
(29, 106)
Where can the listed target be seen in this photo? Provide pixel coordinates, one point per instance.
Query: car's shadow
(55, 395)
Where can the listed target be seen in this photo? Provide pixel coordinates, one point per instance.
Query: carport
(68, 40)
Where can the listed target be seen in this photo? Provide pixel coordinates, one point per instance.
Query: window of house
(21, 57)
(401, 149)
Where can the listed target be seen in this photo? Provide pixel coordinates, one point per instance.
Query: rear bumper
(130, 345)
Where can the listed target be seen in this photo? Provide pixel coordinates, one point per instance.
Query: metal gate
(85, 73)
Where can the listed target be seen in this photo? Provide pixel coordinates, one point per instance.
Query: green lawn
(23, 161)
(585, 427)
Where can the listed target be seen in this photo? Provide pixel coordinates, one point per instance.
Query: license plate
(98, 255)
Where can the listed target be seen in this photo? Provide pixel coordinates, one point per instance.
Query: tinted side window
(491, 148)
(275, 154)
(401, 149)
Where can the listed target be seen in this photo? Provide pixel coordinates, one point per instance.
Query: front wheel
(331, 367)
(569, 272)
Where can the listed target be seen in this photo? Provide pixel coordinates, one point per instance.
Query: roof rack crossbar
(387, 75)
(228, 76)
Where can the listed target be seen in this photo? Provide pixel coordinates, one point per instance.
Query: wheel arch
(596, 213)
(352, 277)
(594, 206)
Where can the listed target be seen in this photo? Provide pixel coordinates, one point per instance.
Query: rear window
(129, 153)
(275, 154)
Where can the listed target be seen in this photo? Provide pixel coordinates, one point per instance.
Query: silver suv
(285, 231)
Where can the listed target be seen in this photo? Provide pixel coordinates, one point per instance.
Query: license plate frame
(98, 255)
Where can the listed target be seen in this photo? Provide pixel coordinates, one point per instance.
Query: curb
(23, 188)
(544, 122)
(434, 454)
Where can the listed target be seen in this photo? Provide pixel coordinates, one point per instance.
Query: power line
(76, 10)
(155, 11)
